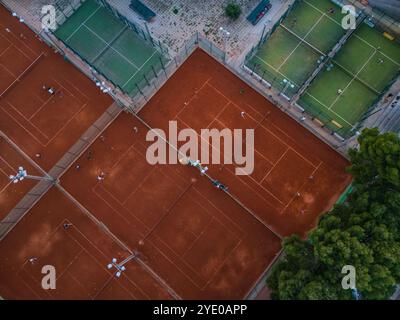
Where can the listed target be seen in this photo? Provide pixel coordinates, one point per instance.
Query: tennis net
(355, 76)
(24, 73)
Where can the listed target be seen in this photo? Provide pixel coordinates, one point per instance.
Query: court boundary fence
(383, 23)
(266, 35)
(140, 84)
(74, 5)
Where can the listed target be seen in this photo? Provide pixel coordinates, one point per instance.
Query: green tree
(363, 232)
(377, 160)
(233, 10)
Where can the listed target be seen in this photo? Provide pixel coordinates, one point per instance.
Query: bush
(233, 10)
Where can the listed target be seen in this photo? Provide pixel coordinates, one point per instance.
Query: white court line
(300, 42)
(192, 98)
(352, 80)
(113, 40)
(324, 105)
(301, 187)
(23, 72)
(382, 53)
(276, 70)
(5, 50)
(139, 69)
(87, 19)
(354, 34)
(111, 47)
(359, 79)
(275, 164)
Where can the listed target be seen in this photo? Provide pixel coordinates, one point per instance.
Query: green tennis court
(108, 44)
(353, 80)
(298, 45)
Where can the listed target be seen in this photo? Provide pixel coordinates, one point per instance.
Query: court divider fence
(140, 84)
(29, 199)
(266, 34)
(372, 17)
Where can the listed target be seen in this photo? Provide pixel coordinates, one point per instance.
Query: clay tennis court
(197, 239)
(296, 176)
(38, 121)
(10, 193)
(79, 253)
(201, 241)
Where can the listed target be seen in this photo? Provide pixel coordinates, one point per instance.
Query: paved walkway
(206, 17)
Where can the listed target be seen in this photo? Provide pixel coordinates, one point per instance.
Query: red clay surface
(34, 119)
(296, 176)
(10, 193)
(79, 254)
(199, 240)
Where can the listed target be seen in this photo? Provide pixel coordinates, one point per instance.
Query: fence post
(148, 32)
(154, 71)
(144, 76)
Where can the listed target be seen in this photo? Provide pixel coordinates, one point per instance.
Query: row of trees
(363, 232)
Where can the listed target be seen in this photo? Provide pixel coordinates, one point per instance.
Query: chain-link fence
(145, 34)
(266, 34)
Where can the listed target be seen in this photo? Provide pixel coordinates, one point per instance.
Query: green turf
(322, 99)
(116, 67)
(284, 55)
(86, 44)
(300, 63)
(129, 40)
(73, 22)
(323, 6)
(115, 50)
(302, 19)
(325, 35)
(360, 72)
(326, 104)
(105, 25)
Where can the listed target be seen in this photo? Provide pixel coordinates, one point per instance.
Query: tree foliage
(233, 10)
(363, 232)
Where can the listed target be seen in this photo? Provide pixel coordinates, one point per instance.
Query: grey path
(205, 17)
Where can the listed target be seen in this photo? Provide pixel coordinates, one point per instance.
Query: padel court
(113, 48)
(353, 80)
(298, 45)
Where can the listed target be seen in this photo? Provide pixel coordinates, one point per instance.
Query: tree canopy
(363, 232)
(233, 10)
